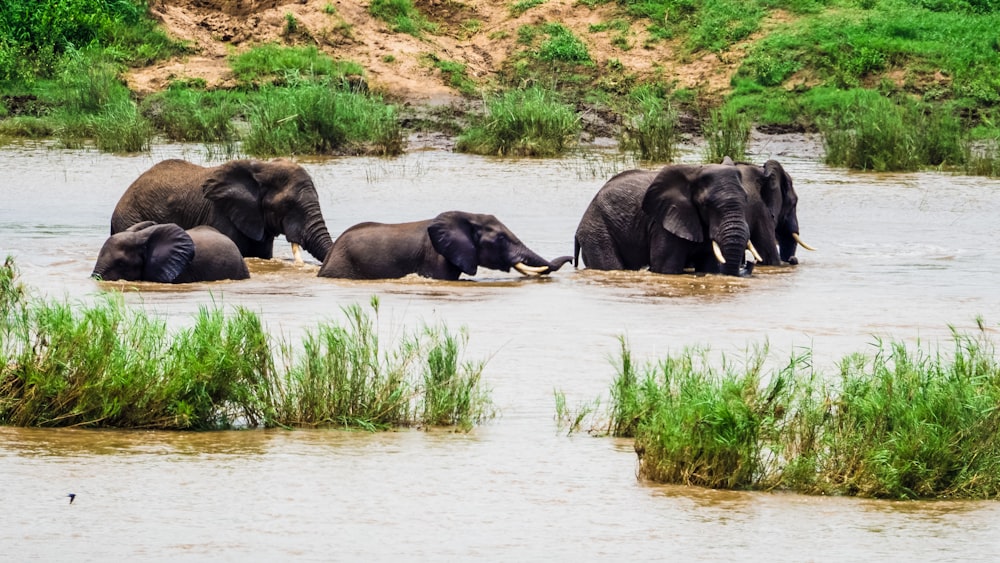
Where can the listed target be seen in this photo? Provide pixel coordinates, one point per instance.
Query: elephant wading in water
(682, 216)
(442, 248)
(771, 214)
(249, 201)
(168, 254)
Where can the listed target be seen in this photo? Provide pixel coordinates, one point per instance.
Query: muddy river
(899, 256)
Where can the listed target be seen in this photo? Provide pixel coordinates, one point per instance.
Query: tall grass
(315, 118)
(873, 132)
(528, 122)
(727, 133)
(650, 127)
(903, 422)
(110, 365)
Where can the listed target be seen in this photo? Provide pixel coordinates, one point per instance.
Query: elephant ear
(234, 189)
(452, 236)
(169, 250)
(669, 198)
(780, 186)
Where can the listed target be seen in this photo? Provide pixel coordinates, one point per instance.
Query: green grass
(650, 128)
(279, 65)
(192, 114)
(455, 73)
(727, 133)
(402, 16)
(899, 422)
(109, 365)
(522, 6)
(530, 122)
(315, 119)
(872, 132)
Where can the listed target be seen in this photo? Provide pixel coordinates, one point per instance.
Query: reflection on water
(901, 256)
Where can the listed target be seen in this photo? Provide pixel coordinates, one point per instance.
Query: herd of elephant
(180, 222)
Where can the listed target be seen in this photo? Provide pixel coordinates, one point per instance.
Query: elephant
(772, 216)
(679, 217)
(443, 248)
(166, 253)
(249, 201)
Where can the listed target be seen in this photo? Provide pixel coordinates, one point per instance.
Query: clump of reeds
(109, 365)
(873, 132)
(727, 133)
(650, 127)
(901, 423)
(318, 119)
(528, 122)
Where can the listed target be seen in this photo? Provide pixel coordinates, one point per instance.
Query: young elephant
(441, 248)
(166, 253)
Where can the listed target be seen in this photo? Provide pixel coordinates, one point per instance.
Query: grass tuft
(529, 122)
(108, 365)
(900, 423)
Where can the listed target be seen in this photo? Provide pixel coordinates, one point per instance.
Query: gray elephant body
(442, 248)
(667, 220)
(772, 211)
(168, 254)
(249, 201)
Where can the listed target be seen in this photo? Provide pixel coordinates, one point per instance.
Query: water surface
(901, 256)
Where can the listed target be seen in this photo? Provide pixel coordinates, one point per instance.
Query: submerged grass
(109, 365)
(899, 423)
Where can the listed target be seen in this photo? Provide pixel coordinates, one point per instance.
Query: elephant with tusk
(682, 216)
(442, 248)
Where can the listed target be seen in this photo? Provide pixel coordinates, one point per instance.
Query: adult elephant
(442, 248)
(678, 217)
(772, 211)
(249, 201)
(166, 253)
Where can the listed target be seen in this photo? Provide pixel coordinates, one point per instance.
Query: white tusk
(297, 253)
(802, 244)
(718, 252)
(754, 251)
(530, 270)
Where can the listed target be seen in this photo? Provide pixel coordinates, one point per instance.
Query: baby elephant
(166, 253)
(441, 248)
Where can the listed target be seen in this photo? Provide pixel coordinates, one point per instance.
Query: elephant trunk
(527, 262)
(732, 237)
(315, 237)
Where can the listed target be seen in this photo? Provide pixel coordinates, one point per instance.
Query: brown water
(900, 256)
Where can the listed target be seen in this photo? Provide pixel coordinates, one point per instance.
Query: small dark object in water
(71, 496)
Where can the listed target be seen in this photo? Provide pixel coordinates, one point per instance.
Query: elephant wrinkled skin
(249, 201)
(682, 216)
(168, 254)
(442, 248)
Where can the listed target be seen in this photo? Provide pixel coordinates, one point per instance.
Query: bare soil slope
(481, 34)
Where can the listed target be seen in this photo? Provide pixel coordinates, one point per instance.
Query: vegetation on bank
(890, 84)
(110, 365)
(902, 422)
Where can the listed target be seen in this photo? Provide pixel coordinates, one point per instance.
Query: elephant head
(264, 199)
(145, 252)
(705, 205)
(470, 240)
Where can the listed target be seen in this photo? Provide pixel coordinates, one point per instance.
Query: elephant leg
(669, 254)
(600, 252)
